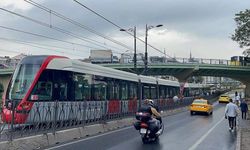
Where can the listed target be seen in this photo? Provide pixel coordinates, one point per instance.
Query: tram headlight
(9, 105)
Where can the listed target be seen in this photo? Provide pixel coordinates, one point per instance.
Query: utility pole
(146, 46)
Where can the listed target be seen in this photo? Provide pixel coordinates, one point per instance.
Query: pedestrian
(231, 112)
(237, 100)
(244, 109)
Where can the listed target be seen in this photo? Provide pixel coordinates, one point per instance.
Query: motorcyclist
(155, 122)
(152, 109)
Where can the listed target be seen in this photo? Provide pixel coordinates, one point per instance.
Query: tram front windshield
(21, 81)
(23, 76)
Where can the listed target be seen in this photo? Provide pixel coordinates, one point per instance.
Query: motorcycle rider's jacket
(151, 110)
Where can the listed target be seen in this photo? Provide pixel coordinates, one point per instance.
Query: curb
(45, 140)
(238, 141)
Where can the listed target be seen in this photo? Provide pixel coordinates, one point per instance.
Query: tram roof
(168, 82)
(88, 68)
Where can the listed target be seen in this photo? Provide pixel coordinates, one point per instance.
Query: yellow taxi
(224, 99)
(201, 105)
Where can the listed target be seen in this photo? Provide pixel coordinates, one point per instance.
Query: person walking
(244, 109)
(231, 112)
(237, 100)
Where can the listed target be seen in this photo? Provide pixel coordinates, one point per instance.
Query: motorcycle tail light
(144, 125)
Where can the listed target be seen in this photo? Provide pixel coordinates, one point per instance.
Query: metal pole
(135, 59)
(146, 51)
(12, 119)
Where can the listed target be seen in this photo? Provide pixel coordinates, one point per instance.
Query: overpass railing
(50, 117)
(179, 60)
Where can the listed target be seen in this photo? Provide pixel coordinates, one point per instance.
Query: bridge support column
(182, 85)
(247, 92)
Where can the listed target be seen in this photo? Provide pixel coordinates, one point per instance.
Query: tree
(242, 32)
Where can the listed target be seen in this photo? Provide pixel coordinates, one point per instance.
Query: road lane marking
(205, 135)
(89, 138)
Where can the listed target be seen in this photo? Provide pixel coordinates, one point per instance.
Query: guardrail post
(84, 112)
(12, 119)
(55, 116)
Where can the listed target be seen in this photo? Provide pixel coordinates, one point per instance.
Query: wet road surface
(182, 132)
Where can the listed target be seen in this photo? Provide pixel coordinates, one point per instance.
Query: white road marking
(85, 139)
(205, 135)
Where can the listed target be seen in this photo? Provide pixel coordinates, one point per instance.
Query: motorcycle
(145, 124)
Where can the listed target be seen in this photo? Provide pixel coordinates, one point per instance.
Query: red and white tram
(39, 81)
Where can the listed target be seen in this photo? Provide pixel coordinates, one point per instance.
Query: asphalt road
(182, 132)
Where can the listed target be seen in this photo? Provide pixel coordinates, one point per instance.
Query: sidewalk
(243, 138)
(245, 135)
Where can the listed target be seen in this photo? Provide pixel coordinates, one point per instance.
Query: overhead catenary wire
(119, 27)
(53, 27)
(47, 45)
(44, 45)
(76, 23)
(41, 46)
(12, 51)
(43, 36)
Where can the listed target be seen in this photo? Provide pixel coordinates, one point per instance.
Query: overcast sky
(201, 27)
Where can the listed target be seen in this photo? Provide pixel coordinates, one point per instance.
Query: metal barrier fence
(178, 60)
(50, 117)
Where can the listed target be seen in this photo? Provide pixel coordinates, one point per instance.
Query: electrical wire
(118, 26)
(54, 28)
(32, 44)
(43, 36)
(75, 23)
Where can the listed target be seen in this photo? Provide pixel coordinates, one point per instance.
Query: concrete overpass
(183, 71)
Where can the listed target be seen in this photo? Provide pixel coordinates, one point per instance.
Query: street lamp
(134, 31)
(146, 44)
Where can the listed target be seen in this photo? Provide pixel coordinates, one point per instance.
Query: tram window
(99, 91)
(162, 91)
(61, 89)
(24, 76)
(82, 86)
(42, 91)
(124, 91)
(146, 92)
(113, 89)
(153, 92)
(132, 90)
(171, 94)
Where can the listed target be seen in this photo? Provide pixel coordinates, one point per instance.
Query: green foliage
(242, 32)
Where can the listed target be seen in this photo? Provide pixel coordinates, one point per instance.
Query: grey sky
(202, 27)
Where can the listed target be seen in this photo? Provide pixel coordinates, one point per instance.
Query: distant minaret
(190, 55)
